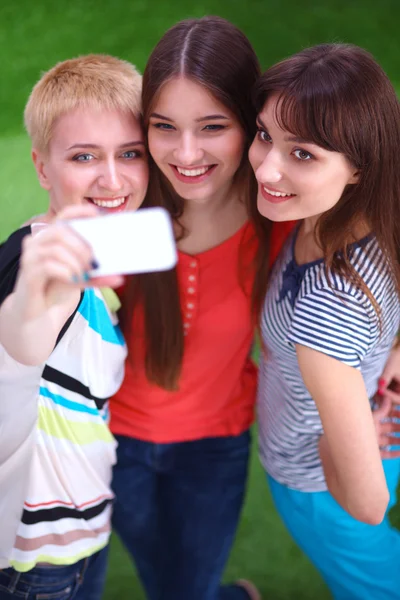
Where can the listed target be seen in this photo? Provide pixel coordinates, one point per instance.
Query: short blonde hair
(95, 81)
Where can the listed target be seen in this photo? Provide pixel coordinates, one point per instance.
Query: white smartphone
(129, 242)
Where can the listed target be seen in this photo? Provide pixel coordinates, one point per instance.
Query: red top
(217, 388)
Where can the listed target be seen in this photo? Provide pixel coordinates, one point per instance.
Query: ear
(40, 163)
(354, 178)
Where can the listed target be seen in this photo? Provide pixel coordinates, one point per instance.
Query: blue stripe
(106, 414)
(94, 311)
(70, 404)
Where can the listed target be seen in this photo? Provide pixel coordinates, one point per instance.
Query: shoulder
(334, 305)
(12, 246)
(10, 252)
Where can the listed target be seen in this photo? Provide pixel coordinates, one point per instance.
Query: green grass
(263, 552)
(33, 36)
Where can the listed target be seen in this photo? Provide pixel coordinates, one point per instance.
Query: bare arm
(28, 331)
(349, 448)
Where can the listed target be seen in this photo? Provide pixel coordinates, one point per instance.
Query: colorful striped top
(56, 451)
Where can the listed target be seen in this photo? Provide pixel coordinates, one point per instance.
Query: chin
(193, 197)
(270, 213)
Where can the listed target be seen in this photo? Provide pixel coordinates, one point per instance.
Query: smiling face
(296, 178)
(95, 157)
(195, 141)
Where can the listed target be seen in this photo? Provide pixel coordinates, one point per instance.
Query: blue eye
(163, 126)
(131, 154)
(83, 157)
(264, 136)
(302, 155)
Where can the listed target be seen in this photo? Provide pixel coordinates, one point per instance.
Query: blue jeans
(83, 580)
(177, 510)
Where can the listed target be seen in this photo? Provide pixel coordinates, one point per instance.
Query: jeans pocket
(9, 591)
(64, 593)
(5, 593)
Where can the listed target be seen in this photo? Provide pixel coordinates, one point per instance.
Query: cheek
(142, 177)
(253, 156)
(327, 182)
(80, 181)
(70, 181)
(158, 145)
(232, 149)
(321, 187)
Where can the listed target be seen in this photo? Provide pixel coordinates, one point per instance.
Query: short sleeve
(10, 252)
(334, 323)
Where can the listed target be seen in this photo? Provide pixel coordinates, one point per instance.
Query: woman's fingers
(76, 212)
(393, 396)
(383, 409)
(389, 453)
(57, 242)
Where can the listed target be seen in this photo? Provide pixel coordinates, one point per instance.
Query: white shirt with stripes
(338, 320)
(56, 450)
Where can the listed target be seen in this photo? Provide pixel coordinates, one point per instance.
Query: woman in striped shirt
(61, 350)
(327, 153)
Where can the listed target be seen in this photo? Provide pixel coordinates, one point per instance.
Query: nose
(270, 169)
(188, 152)
(110, 177)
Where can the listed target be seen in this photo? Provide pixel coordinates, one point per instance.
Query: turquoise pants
(357, 561)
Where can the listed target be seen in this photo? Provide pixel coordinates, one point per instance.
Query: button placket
(191, 293)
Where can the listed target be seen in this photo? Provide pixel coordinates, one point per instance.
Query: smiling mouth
(274, 196)
(193, 174)
(109, 203)
(276, 193)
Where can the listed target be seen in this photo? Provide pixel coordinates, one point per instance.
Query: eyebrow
(94, 146)
(295, 139)
(200, 120)
(298, 140)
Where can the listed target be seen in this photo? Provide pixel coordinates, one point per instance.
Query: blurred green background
(34, 36)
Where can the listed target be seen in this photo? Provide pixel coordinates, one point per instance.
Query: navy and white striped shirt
(338, 320)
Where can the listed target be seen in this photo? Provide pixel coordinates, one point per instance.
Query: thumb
(384, 408)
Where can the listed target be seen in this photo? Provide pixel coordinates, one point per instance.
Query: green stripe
(56, 425)
(22, 567)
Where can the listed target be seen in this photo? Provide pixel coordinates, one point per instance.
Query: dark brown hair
(338, 97)
(217, 55)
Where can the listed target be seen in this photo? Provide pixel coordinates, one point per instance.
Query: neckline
(304, 266)
(230, 239)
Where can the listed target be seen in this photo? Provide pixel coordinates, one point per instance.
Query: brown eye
(264, 136)
(302, 155)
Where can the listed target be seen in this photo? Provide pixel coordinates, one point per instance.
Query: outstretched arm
(51, 275)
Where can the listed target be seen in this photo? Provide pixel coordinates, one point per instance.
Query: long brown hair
(217, 55)
(338, 97)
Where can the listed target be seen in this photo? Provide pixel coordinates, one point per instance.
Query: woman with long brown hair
(327, 153)
(183, 415)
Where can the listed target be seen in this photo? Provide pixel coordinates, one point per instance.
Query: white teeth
(109, 203)
(192, 172)
(278, 194)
